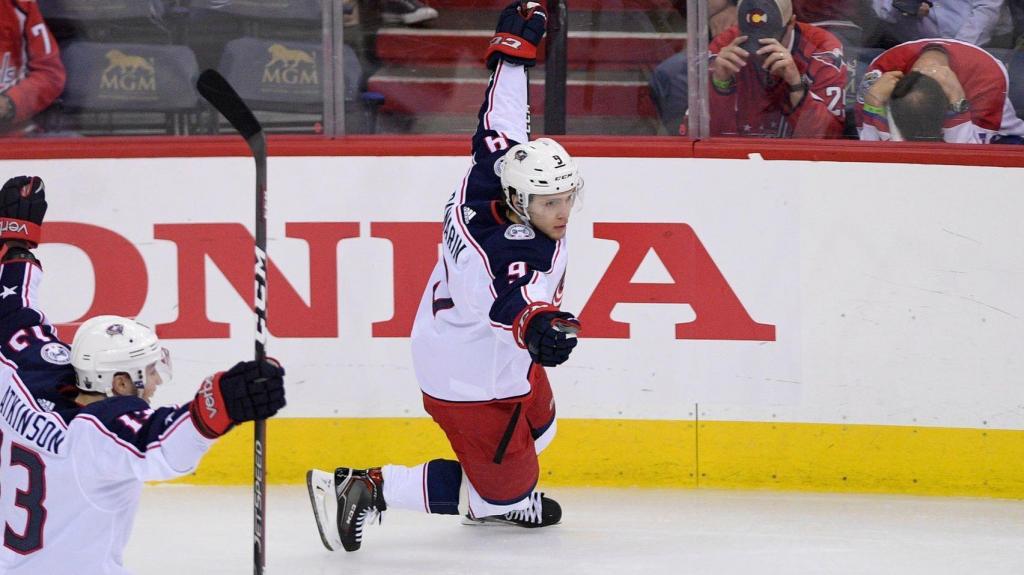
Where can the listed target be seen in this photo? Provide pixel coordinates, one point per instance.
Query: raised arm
(24, 329)
(504, 114)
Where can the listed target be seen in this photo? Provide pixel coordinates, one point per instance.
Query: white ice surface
(206, 530)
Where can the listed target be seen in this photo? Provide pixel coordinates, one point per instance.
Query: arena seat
(129, 88)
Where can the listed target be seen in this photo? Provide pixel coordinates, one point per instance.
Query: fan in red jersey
(772, 76)
(31, 73)
(937, 90)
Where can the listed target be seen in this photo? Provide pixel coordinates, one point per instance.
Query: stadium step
(460, 90)
(608, 5)
(433, 80)
(466, 124)
(596, 37)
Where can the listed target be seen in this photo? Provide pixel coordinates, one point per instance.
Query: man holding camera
(772, 76)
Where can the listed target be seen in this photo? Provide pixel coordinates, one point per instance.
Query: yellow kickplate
(661, 453)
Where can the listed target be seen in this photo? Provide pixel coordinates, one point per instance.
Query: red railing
(585, 146)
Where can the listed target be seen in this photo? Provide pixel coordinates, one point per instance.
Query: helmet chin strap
(524, 214)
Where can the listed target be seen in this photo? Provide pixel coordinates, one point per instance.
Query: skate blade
(487, 522)
(320, 485)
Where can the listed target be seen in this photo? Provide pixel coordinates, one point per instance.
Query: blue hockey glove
(520, 29)
(248, 391)
(22, 207)
(551, 336)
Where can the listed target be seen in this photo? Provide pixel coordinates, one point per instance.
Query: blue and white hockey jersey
(71, 476)
(29, 341)
(467, 340)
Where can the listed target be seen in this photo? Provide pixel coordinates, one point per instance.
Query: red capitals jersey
(760, 106)
(985, 84)
(31, 73)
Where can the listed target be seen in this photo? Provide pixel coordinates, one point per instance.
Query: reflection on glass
(431, 79)
(777, 68)
(753, 90)
(132, 64)
(410, 66)
(772, 75)
(31, 72)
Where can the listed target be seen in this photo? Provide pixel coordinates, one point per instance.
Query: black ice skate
(541, 513)
(345, 503)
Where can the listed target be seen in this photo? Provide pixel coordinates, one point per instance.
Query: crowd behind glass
(931, 70)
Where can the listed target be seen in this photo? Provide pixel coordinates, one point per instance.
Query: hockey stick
(219, 93)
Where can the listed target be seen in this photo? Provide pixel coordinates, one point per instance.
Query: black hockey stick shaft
(219, 93)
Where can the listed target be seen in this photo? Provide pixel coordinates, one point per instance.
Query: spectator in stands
(937, 90)
(669, 85)
(772, 76)
(31, 73)
(972, 21)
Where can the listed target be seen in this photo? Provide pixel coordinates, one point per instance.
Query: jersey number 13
(30, 499)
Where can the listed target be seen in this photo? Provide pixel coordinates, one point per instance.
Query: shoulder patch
(56, 353)
(519, 232)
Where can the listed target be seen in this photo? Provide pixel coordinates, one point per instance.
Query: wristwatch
(959, 107)
(799, 87)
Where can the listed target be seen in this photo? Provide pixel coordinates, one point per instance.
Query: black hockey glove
(250, 390)
(22, 207)
(520, 29)
(551, 336)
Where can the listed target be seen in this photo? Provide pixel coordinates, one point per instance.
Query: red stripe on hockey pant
(540, 412)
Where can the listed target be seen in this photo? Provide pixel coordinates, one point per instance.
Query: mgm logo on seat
(290, 67)
(128, 73)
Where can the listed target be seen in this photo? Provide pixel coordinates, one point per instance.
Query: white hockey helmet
(108, 344)
(538, 168)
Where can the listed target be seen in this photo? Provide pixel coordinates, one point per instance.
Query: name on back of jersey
(453, 241)
(33, 426)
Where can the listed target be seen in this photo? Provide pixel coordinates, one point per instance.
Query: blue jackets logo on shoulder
(55, 353)
(519, 232)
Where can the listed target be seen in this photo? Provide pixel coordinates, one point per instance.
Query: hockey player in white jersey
(77, 434)
(487, 326)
